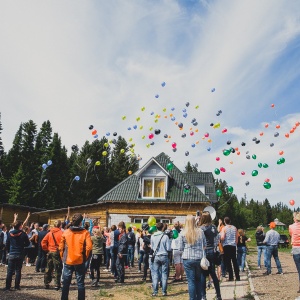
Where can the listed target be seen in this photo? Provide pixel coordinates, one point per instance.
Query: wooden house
(7, 212)
(157, 189)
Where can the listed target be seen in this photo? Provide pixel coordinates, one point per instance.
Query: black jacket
(260, 236)
(41, 235)
(16, 241)
(131, 238)
(123, 244)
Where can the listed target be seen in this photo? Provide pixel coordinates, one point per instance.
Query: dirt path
(275, 287)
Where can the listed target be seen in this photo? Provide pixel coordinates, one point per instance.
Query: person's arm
(15, 217)
(26, 240)
(61, 246)
(7, 245)
(89, 245)
(27, 218)
(68, 215)
(236, 237)
(91, 226)
(222, 234)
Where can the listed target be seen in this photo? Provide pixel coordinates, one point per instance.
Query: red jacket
(48, 243)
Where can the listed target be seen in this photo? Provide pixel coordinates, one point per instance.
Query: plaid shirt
(272, 238)
(192, 252)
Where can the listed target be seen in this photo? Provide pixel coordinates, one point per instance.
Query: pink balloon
(174, 145)
(217, 158)
(206, 134)
(243, 173)
(224, 130)
(191, 133)
(222, 169)
(151, 136)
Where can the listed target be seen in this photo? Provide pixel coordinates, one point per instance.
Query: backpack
(131, 238)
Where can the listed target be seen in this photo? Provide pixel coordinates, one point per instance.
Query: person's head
(26, 229)
(36, 226)
(113, 227)
(97, 232)
(129, 229)
(165, 227)
(138, 230)
(45, 227)
(191, 232)
(17, 225)
(86, 226)
(121, 226)
(159, 226)
(205, 218)
(177, 226)
(297, 217)
(241, 232)
(57, 224)
(77, 219)
(227, 221)
(259, 228)
(272, 225)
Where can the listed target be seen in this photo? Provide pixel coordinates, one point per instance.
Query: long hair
(205, 218)
(192, 234)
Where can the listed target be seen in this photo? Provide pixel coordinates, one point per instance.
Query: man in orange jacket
(50, 244)
(75, 247)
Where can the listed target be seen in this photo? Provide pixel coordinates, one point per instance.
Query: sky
(102, 63)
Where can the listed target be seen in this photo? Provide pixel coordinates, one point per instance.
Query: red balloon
(290, 179)
(174, 145)
(292, 202)
(217, 158)
(267, 180)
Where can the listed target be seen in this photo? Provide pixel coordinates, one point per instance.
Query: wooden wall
(102, 211)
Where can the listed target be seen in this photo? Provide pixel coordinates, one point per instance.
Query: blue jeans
(113, 253)
(196, 279)
(130, 256)
(241, 257)
(273, 251)
(160, 265)
(261, 249)
(67, 277)
(141, 258)
(212, 271)
(296, 258)
(108, 256)
(15, 263)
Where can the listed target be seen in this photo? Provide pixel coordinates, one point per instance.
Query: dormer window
(154, 187)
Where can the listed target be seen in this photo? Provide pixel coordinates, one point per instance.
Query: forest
(37, 171)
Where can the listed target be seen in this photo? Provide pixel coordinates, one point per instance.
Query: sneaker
(258, 267)
(57, 288)
(105, 270)
(17, 288)
(28, 265)
(279, 273)
(6, 289)
(164, 295)
(154, 295)
(139, 271)
(266, 273)
(94, 282)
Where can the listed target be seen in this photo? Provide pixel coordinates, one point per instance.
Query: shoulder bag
(204, 263)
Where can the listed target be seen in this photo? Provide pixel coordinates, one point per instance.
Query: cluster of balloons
(46, 165)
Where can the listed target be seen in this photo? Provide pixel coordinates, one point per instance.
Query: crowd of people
(79, 245)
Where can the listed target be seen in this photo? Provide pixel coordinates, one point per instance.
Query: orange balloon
(176, 123)
(197, 142)
(196, 130)
(297, 124)
(261, 134)
(169, 136)
(167, 141)
(166, 117)
(292, 202)
(281, 152)
(277, 126)
(129, 172)
(266, 125)
(209, 140)
(94, 132)
(272, 105)
(238, 153)
(231, 162)
(181, 128)
(236, 149)
(292, 130)
(290, 179)
(267, 180)
(191, 128)
(287, 135)
(171, 115)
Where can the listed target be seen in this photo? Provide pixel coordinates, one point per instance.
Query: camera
(145, 226)
(169, 233)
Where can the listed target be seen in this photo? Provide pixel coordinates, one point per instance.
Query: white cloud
(82, 63)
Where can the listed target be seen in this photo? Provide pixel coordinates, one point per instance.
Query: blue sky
(92, 62)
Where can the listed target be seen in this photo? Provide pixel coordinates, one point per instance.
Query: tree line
(37, 171)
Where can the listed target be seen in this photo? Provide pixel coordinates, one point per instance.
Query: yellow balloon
(143, 108)
(197, 106)
(130, 139)
(217, 125)
(209, 140)
(98, 163)
(106, 145)
(141, 127)
(129, 172)
(156, 120)
(164, 110)
(122, 151)
(124, 118)
(138, 118)
(143, 137)
(104, 153)
(151, 128)
(148, 145)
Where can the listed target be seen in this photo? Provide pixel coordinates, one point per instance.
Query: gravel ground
(275, 287)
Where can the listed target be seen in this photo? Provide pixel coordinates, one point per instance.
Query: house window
(167, 221)
(154, 187)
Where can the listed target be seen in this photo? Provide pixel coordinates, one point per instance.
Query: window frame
(153, 187)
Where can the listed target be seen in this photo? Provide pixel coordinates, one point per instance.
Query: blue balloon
(184, 110)
(95, 136)
(173, 118)
(152, 113)
(212, 90)
(156, 96)
(163, 84)
(135, 127)
(185, 115)
(77, 178)
(129, 128)
(208, 149)
(107, 133)
(173, 108)
(49, 163)
(193, 145)
(44, 166)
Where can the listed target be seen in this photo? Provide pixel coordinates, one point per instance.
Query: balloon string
(95, 172)
(1, 173)
(41, 178)
(42, 188)
(71, 185)
(225, 202)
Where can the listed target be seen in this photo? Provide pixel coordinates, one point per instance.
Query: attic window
(153, 187)
(153, 171)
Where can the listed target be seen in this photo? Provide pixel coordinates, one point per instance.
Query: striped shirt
(272, 238)
(192, 252)
(229, 235)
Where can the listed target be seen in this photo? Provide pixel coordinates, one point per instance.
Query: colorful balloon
(254, 173)
(49, 162)
(219, 193)
(290, 179)
(292, 202)
(151, 221)
(230, 189)
(217, 171)
(267, 185)
(170, 166)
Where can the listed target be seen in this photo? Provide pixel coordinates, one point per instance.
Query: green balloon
(152, 229)
(254, 156)
(282, 159)
(175, 234)
(259, 165)
(254, 173)
(267, 185)
(279, 162)
(230, 189)
(217, 171)
(186, 191)
(170, 166)
(226, 152)
(265, 166)
(219, 193)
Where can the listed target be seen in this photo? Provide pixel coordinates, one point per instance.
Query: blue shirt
(164, 246)
(272, 238)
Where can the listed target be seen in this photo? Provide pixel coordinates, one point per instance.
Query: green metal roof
(129, 189)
